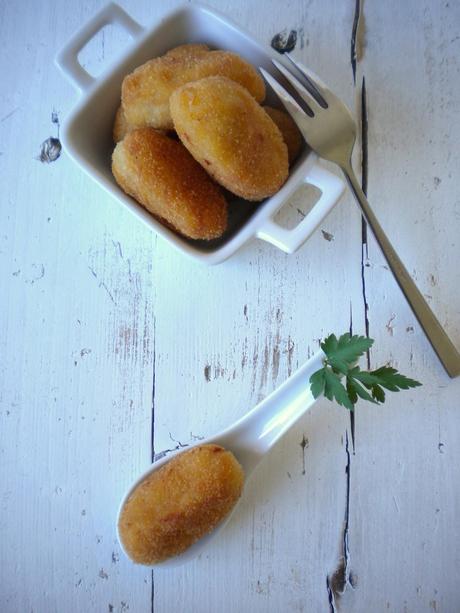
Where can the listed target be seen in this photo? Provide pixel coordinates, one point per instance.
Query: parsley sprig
(340, 362)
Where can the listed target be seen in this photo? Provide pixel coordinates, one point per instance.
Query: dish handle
(289, 241)
(67, 59)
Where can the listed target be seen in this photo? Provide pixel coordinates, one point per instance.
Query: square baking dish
(87, 131)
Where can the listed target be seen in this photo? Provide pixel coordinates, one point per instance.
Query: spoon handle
(258, 430)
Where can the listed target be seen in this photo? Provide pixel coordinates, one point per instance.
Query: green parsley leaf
(344, 352)
(386, 377)
(378, 393)
(334, 389)
(317, 382)
(358, 390)
(352, 392)
(341, 356)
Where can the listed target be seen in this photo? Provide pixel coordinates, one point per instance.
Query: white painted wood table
(114, 348)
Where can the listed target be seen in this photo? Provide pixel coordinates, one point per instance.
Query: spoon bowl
(249, 439)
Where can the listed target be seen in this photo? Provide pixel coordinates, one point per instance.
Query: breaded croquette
(289, 130)
(187, 51)
(231, 136)
(120, 127)
(179, 503)
(162, 176)
(146, 91)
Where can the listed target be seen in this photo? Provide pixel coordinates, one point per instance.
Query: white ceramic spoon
(249, 439)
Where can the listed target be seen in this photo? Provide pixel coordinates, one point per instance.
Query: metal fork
(329, 129)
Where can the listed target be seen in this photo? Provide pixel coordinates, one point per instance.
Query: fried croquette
(179, 503)
(162, 176)
(146, 91)
(231, 136)
(187, 51)
(121, 127)
(289, 130)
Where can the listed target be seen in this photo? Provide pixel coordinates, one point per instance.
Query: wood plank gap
(341, 578)
(354, 32)
(352, 413)
(330, 596)
(337, 582)
(364, 184)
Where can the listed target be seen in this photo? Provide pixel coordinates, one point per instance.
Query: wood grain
(114, 349)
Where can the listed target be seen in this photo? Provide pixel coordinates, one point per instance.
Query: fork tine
(300, 89)
(290, 104)
(318, 86)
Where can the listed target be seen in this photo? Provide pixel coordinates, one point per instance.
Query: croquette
(146, 91)
(231, 136)
(289, 130)
(121, 127)
(179, 503)
(162, 176)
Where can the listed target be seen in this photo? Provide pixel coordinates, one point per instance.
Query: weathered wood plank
(403, 497)
(260, 317)
(76, 347)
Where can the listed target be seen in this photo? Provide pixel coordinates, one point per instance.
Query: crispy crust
(161, 174)
(179, 503)
(121, 127)
(288, 128)
(231, 136)
(146, 91)
(187, 51)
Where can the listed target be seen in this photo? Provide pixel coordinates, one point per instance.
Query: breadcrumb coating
(231, 136)
(146, 91)
(121, 127)
(162, 176)
(289, 130)
(179, 503)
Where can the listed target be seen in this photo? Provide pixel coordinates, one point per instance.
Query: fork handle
(441, 343)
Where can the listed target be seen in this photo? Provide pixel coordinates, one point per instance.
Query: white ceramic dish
(87, 131)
